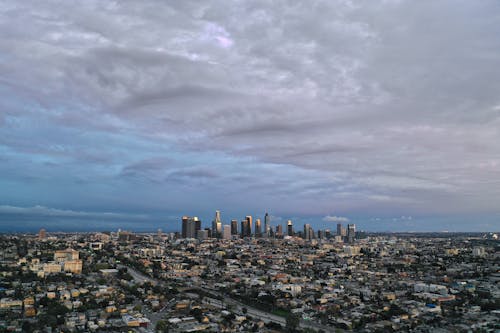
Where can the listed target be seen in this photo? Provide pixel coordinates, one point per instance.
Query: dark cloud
(304, 107)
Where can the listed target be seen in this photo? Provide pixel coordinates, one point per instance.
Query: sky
(131, 114)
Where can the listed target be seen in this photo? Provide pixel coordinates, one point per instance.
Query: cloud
(338, 219)
(290, 107)
(42, 211)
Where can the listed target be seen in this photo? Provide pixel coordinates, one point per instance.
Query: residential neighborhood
(160, 282)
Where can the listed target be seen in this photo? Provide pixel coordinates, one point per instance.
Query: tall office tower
(245, 229)
(250, 225)
(339, 229)
(234, 227)
(42, 234)
(351, 232)
(267, 227)
(307, 231)
(184, 226)
(258, 229)
(217, 225)
(193, 227)
(226, 234)
(190, 225)
(214, 229)
(279, 230)
(321, 234)
(289, 228)
(190, 232)
(159, 233)
(197, 225)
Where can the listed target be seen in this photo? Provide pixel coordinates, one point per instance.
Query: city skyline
(132, 115)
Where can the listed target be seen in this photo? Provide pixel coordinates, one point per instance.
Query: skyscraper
(258, 229)
(289, 228)
(226, 234)
(267, 220)
(307, 231)
(279, 230)
(184, 226)
(234, 227)
(190, 225)
(246, 231)
(351, 233)
(197, 225)
(250, 225)
(217, 225)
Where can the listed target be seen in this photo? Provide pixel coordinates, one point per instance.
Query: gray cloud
(302, 106)
(41, 211)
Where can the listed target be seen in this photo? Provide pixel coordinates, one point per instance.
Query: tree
(162, 326)
(197, 314)
(292, 322)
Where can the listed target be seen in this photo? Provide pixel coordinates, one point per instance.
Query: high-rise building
(258, 229)
(202, 234)
(234, 227)
(245, 229)
(289, 228)
(351, 233)
(321, 234)
(197, 225)
(227, 232)
(217, 225)
(307, 231)
(250, 225)
(42, 234)
(184, 226)
(193, 227)
(279, 230)
(267, 227)
(328, 233)
(190, 225)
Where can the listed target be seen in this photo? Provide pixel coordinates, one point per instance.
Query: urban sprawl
(249, 276)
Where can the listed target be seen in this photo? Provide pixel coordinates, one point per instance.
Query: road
(138, 276)
(256, 313)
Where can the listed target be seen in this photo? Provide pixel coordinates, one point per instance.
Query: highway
(138, 276)
(256, 313)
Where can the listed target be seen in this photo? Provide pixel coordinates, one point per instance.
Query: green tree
(162, 326)
(292, 322)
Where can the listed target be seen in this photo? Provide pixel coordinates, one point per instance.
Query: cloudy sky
(132, 113)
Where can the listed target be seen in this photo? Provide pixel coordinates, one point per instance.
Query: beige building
(51, 267)
(64, 255)
(73, 266)
(6, 303)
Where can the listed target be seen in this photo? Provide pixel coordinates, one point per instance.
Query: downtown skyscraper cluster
(248, 227)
